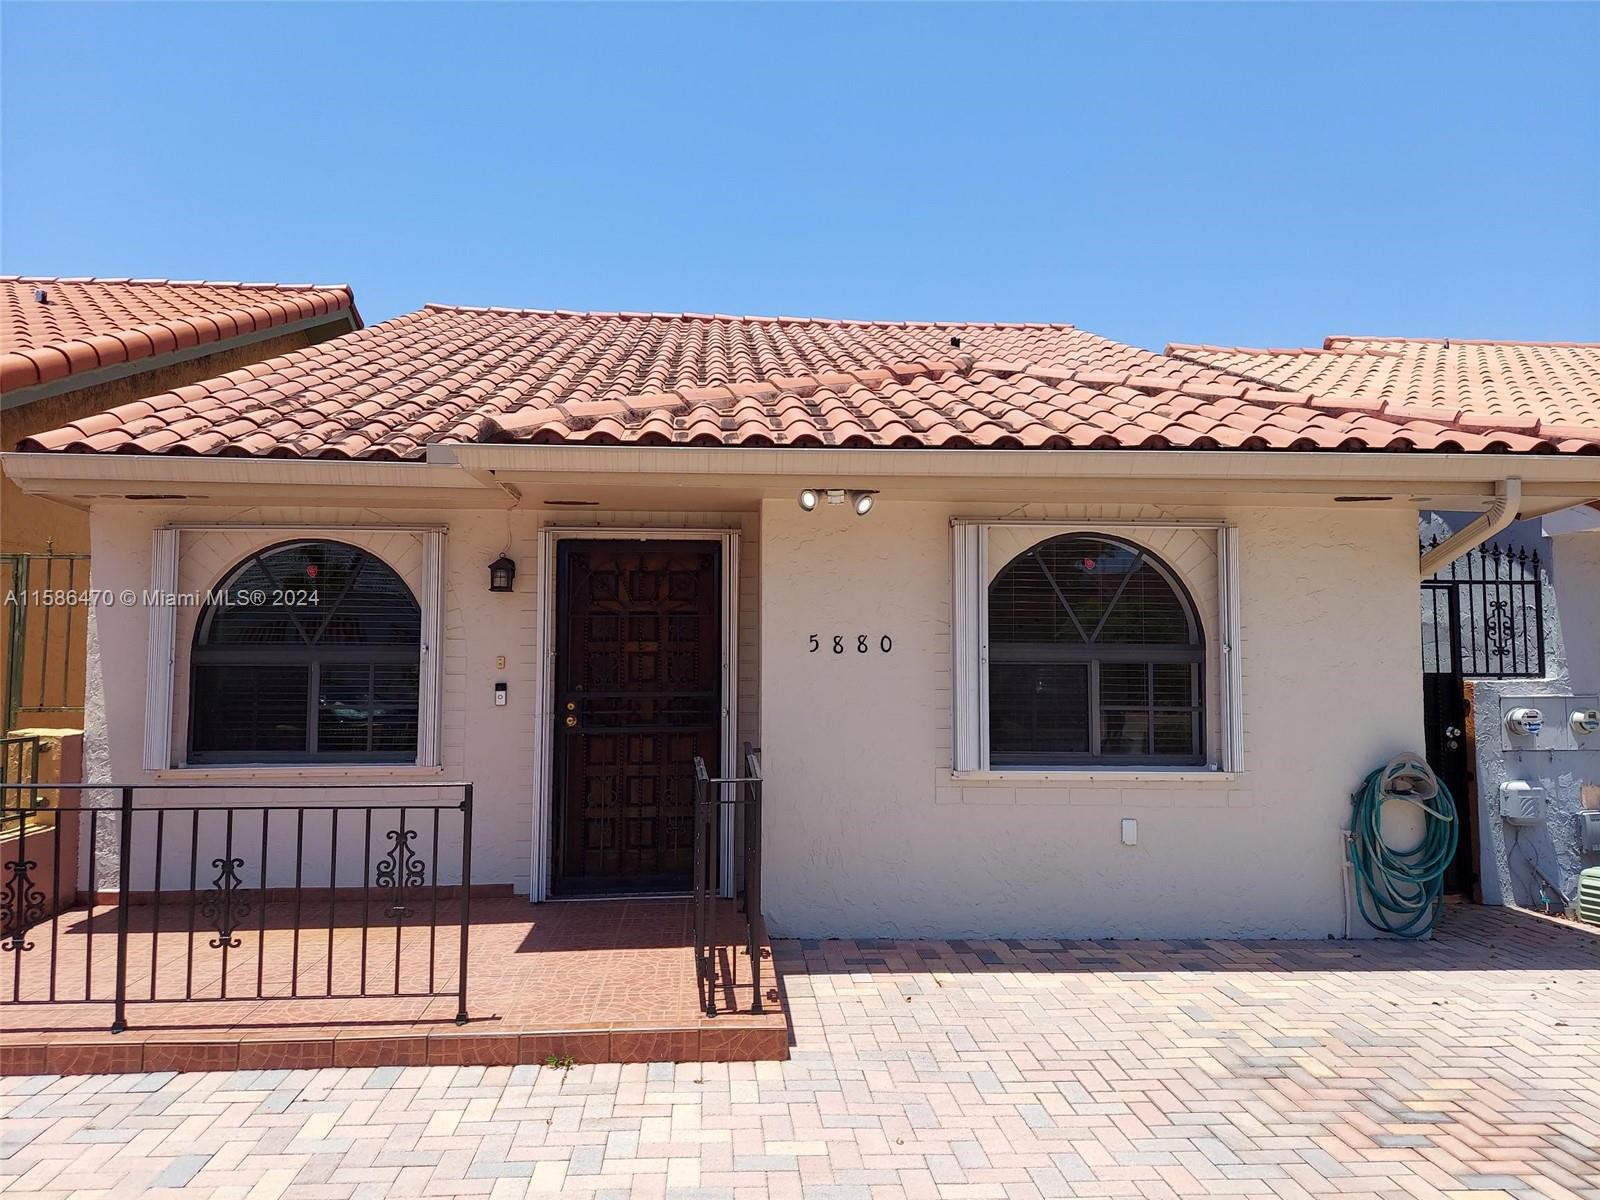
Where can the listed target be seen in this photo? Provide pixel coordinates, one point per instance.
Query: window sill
(245, 772)
(1098, 775)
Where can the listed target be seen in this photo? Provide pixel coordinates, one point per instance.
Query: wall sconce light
(502, 571)
(861, 501)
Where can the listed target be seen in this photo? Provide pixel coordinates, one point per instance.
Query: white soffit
(470, 475)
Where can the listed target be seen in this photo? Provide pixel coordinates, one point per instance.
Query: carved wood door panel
(638, 695)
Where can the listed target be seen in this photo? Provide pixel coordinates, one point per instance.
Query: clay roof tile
(1461, 385)
(449, 374)
(96, 322)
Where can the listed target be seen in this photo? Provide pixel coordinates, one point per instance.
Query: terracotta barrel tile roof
(86, 323)
(446, 374)
(1545, 389)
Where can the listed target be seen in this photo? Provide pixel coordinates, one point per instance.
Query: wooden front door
(638, 695)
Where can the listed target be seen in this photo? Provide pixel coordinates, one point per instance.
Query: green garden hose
(1399, 891)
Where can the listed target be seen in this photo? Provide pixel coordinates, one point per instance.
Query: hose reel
(1399, 891)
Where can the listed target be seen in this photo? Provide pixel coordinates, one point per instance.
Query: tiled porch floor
(599, 981)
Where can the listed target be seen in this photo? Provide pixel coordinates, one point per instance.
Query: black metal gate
(1482, 617)
(1444, 715)
(44, 624)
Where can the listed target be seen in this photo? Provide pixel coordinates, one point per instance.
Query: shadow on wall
(1536, 866)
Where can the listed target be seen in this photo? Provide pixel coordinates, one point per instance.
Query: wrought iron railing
(269, 890)
(736, 799)
(1483, 614)
(20, 756)
(43, 636)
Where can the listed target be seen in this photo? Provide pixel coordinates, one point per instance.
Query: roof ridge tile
(134, 281)
(828, 322)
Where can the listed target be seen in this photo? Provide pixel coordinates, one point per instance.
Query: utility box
(1589, 831)
(1521, 803)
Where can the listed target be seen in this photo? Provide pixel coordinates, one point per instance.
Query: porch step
(731, 1038)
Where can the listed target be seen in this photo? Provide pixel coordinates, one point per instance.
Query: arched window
(306, 652)
(1095, 655)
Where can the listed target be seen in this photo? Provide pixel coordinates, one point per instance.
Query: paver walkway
(1467, 1067)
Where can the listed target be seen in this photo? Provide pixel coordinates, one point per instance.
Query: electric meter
(1585, 721)
(1524, 722)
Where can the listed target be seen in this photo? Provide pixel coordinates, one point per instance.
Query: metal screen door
(1444, 715)
(638, 696)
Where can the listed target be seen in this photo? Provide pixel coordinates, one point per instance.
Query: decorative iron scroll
(1499, 629)
(399, 869)
(1490, 601)
(225, 907)
(21, 904)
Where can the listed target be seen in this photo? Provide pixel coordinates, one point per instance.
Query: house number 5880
(843, 643)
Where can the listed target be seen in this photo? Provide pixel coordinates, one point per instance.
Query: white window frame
(162, 658)
(970, 651)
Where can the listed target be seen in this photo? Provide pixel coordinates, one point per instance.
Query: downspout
(1507, 504)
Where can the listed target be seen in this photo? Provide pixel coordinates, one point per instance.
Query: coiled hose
(1399, 891)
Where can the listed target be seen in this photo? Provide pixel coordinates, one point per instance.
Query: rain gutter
(1505, 509)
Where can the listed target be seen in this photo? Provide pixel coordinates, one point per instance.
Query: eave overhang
(498, 476)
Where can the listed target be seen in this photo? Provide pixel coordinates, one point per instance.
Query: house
(1523, 631)
(71, 349)
(1034, 633)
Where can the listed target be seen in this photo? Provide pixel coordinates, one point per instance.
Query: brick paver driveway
(1468, 1067)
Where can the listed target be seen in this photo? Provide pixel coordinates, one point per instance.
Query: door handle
(571, 721)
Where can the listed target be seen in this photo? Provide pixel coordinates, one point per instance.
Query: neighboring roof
(87, 323)
(1539, 388)
(446, 374)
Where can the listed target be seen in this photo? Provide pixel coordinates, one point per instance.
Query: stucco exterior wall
(1527, 865)
(1577, 582)
(492, 746)
(868, 833)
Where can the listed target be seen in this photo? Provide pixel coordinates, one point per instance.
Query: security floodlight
(860, 501)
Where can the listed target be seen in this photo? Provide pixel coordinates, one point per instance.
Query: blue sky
(1256, 174)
